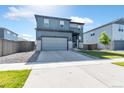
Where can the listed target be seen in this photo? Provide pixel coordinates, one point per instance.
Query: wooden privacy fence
(9, 47)
(90, 46)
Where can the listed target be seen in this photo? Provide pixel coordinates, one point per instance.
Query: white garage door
(52, 43)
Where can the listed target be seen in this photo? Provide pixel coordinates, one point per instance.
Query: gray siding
(10, 35)
(53, 24)
(39, 34)
(1, 34)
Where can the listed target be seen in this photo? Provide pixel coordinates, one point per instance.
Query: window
(79, 27)
(8, 32)
(73, 25)
(79, 37)
(61, 23)
(92, 34)
(46, 21)
(14, 35)
(120, 30)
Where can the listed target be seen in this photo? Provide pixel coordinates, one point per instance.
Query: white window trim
(62, 22)
(8, 32)
(46, 21)
(79, 26)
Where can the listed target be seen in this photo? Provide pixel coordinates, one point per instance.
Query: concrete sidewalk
(38, 65)
(93, 73)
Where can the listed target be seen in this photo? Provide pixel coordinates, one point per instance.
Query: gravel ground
(22, 57)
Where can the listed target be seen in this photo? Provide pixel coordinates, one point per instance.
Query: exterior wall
(70, 45)
(88, 39)
(1, 34)
(54, 29)
(39, 34)
(38, 45)
(10, 35)
(77, 30)
(55, 26)
(80, 45)
(118, 35)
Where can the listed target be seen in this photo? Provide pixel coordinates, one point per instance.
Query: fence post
(2, 46)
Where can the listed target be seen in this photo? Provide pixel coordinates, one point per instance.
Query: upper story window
(79, 37)
(79, 27)
(92, 34)
(73, 25)
(8, 32)
(14, 35)
(120, 28)
(46, 21)
(61, 23)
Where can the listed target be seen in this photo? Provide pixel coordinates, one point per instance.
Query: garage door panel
(119, 45)
(52, 43)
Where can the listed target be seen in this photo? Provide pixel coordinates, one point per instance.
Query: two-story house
(114, 30)
(53, 33)
(7, 34)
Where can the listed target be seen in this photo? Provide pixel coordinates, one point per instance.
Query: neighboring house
(53, 33)
(7, 34)
(115, 31)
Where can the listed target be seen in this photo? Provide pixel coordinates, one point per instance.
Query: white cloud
(27, 37)
(81, 20)
(15, 13)
(28, 12)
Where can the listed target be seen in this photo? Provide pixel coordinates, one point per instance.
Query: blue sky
(20, 19)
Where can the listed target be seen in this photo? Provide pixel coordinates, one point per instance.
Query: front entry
(75, 41)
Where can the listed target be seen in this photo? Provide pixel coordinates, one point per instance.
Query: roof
(58, 18)
(52, 17)
(77, 23)
(8, 30)
(117, 21)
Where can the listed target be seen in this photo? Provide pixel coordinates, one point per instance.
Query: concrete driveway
(60, 56)
(93, 75)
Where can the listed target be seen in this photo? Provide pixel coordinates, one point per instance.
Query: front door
(75, 41)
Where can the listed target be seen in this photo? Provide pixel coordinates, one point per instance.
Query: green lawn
(119, 63)
(105, 54)
(13, 78)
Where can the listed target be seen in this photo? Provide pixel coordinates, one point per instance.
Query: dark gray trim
(77, 23)
(52, 17)
(54, 37)
(55, 30)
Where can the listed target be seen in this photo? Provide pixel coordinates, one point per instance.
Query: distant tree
(104, 39)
